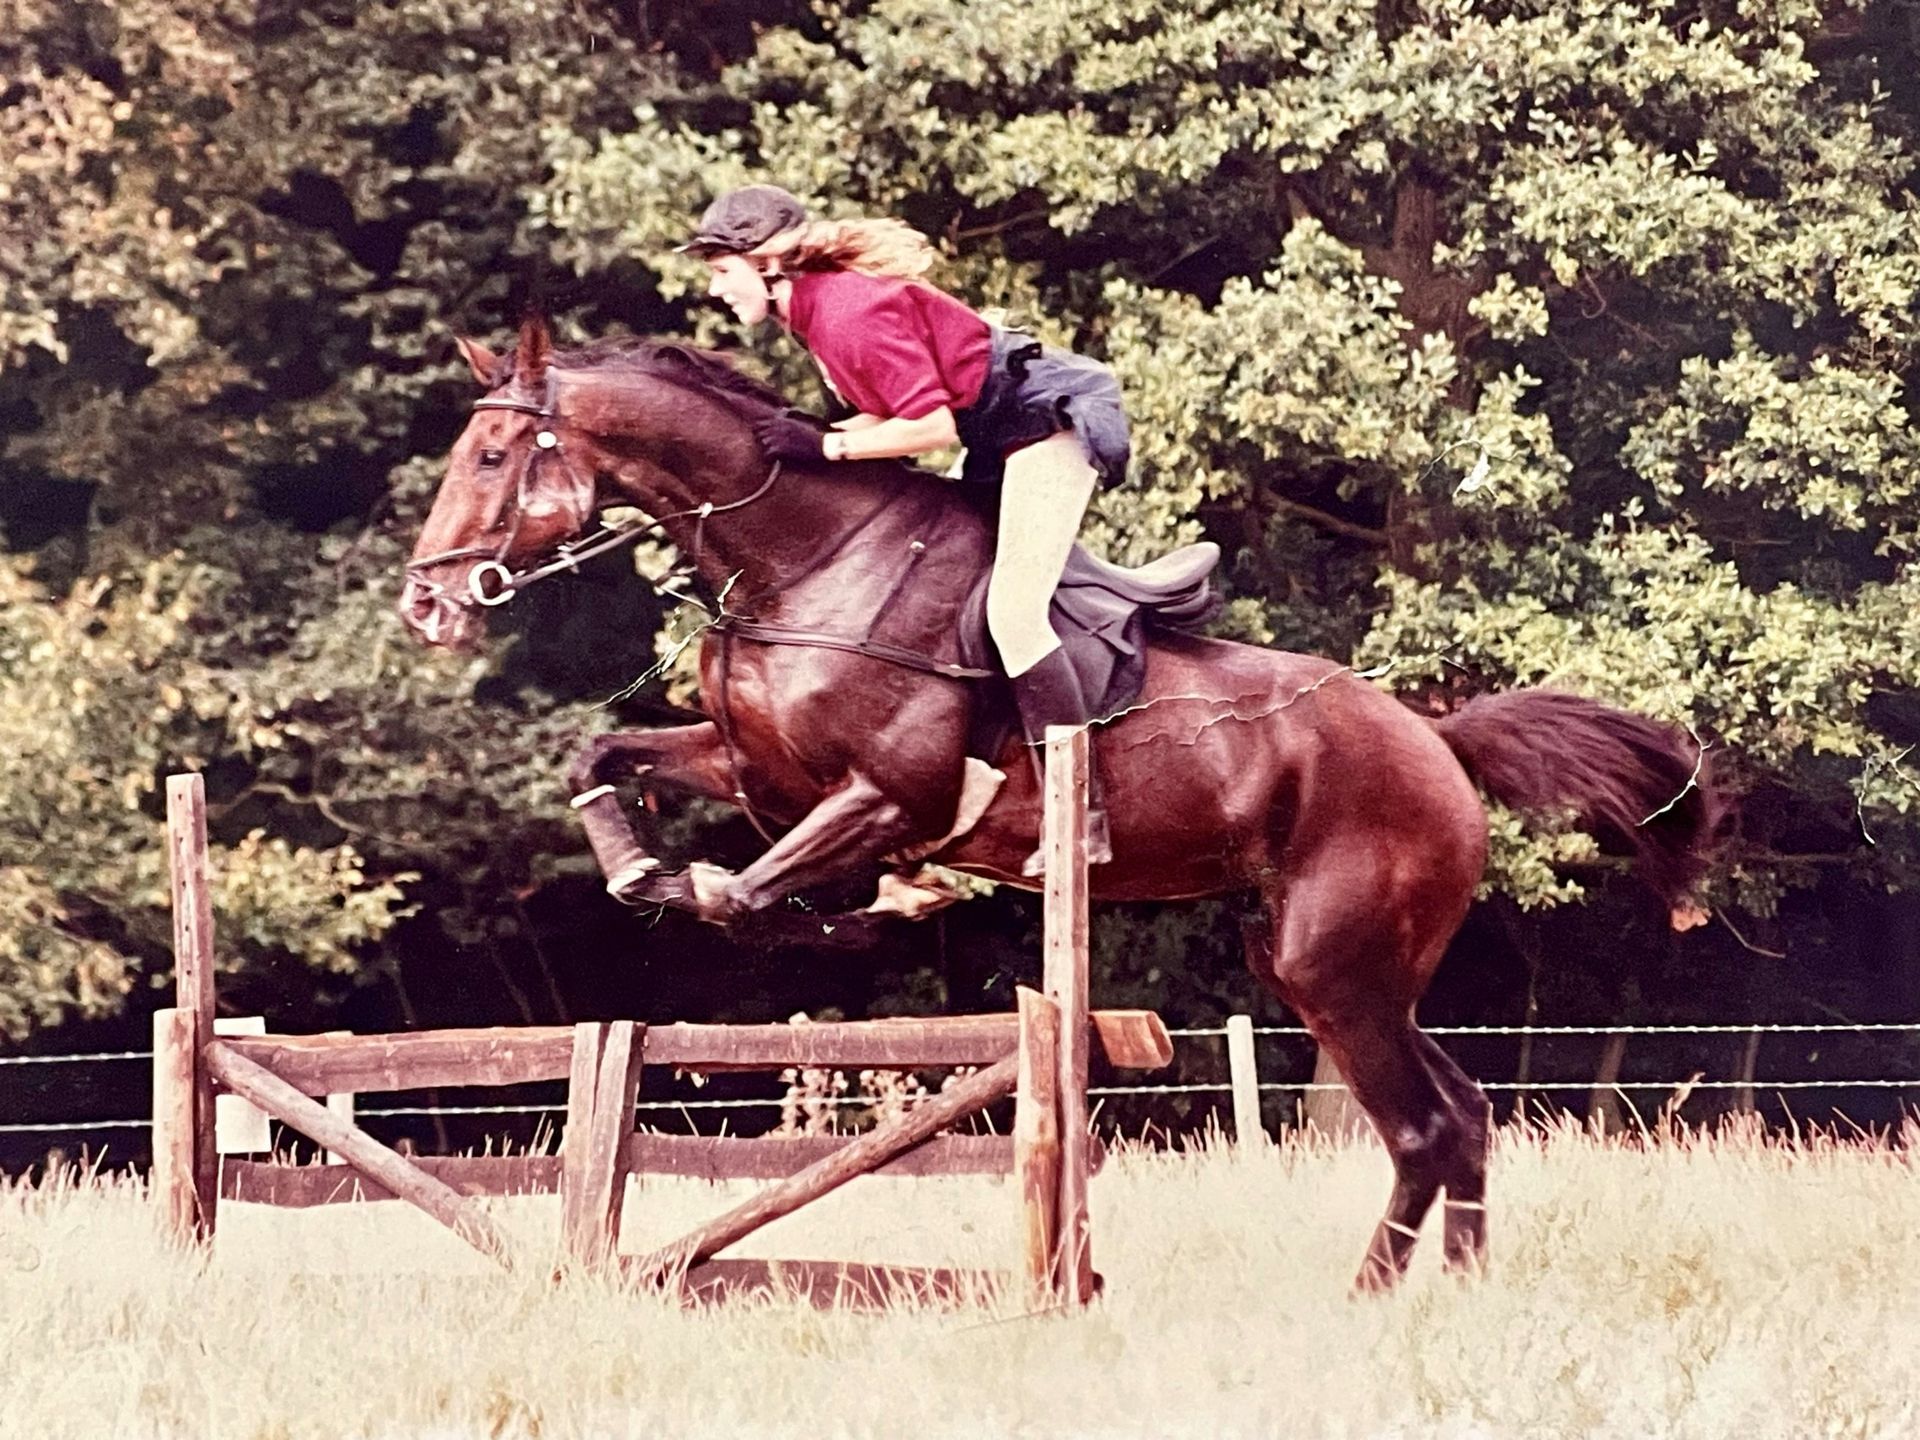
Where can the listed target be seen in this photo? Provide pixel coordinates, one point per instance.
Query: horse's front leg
(857, 824)
(688, 758)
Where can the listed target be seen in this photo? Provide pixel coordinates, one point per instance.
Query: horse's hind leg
(1339, 960)
(1381, 1061)
(1465, 1211)
(855, 825)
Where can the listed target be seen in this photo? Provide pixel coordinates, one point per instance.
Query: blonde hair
(871, 247)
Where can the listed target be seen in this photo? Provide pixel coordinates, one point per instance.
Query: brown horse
(1239, 769)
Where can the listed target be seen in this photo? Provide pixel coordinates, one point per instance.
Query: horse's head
(663, 427)
(512, 492)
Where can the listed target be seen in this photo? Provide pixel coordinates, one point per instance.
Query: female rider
(922, 370)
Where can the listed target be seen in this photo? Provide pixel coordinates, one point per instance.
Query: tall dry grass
(1703, 1287)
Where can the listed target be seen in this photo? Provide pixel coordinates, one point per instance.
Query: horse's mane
(705, 370)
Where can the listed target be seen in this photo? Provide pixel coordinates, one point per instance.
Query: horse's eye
(492, 458)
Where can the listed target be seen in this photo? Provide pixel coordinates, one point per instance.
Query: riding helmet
(744, 219)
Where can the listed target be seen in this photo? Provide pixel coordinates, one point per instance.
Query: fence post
(239, 1126)
(1331, 1109)
(1243, 1071)
(1749, 1062)
(1069, 757)
(341, 1104)
(173, 1131)
(1036, 1140)
(601, 1090)
(193, 987)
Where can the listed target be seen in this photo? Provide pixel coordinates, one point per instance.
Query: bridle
(569, 554)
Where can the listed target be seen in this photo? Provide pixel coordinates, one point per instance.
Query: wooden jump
(1039, 1055)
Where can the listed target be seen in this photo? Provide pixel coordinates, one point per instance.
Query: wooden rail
(698, 1157)
(428, 1059)
(872, 1149)
(362, 1151)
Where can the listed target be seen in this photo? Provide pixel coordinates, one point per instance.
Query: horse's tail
(1638, 786)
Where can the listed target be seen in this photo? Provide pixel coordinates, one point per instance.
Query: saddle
(1102, 613)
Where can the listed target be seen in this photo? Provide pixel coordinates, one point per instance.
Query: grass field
(1709, 1287)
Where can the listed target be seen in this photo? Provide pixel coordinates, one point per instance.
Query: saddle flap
(1169, 576)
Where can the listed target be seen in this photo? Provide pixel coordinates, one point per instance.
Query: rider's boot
(1049, 694)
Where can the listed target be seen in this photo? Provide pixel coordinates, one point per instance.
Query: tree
(230, 258)
(1499, 344)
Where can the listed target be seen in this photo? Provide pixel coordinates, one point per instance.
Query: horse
(839, 716)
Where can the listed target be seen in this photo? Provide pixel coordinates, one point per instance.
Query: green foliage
(265, 227)
(1529, 864)
(1523, 343)
(85, 882)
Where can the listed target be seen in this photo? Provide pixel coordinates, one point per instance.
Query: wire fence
(1689, 1084)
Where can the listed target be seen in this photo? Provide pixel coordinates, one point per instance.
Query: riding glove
(787, 436)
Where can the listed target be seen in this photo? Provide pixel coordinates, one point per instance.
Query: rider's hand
(794, 438)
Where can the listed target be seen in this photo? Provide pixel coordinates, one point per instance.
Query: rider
(923, 370)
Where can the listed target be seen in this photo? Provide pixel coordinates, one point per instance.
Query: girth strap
(761, 632)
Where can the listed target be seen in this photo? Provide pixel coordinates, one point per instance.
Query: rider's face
(741, 287)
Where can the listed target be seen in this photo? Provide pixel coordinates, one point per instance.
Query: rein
(748, 627)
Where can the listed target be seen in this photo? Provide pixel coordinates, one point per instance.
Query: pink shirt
(899, 349)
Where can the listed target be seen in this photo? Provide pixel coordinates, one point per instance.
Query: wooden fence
(1038, 1054)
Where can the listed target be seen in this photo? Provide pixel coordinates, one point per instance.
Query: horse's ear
(530, 359)
(479, 358)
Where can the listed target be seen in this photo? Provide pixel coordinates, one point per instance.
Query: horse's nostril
(420, 608)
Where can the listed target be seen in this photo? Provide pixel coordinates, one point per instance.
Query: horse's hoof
(715, 892)
(631, 874)
(1375, 1278)
(914, 896)
(641, 886)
